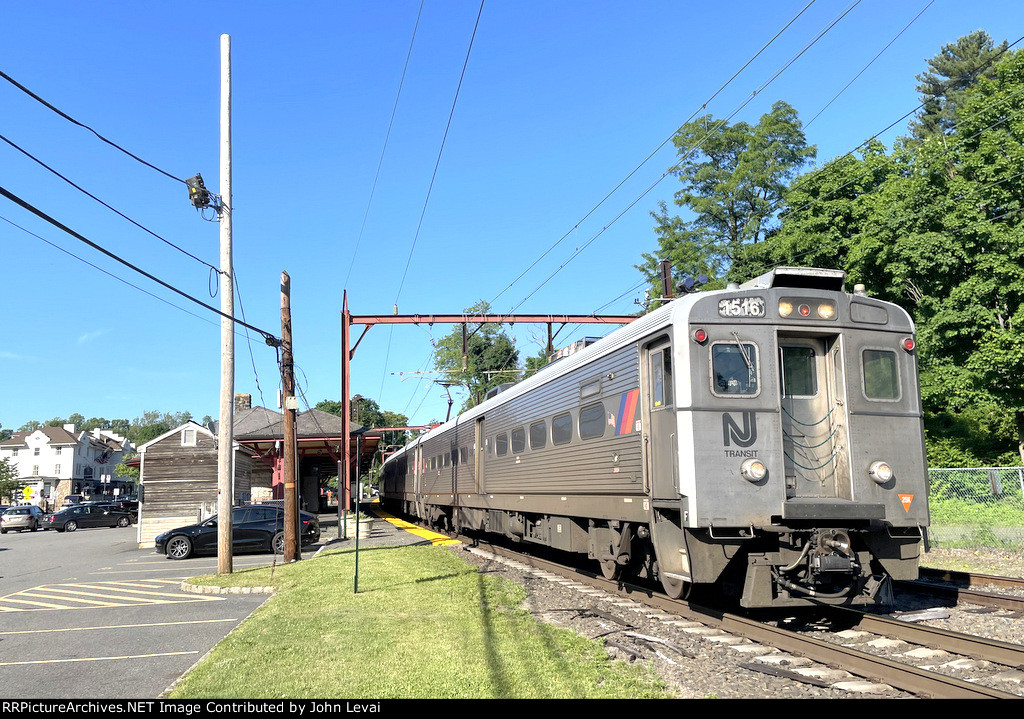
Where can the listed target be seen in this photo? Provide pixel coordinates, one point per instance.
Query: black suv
(254, 527)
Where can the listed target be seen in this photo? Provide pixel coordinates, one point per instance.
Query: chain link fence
(979, 507)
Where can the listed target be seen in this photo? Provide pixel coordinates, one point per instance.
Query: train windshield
(734, 368)
(881, 375)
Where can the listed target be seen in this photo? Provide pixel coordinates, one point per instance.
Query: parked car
(116, 507)
(72, 499)
(129, 505)
(254, 527)
(86, 515)
(21, 518)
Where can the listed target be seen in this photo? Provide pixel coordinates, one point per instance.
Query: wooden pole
(225, 427)
(291, 505)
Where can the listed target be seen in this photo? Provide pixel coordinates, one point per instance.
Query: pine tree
(953, 71)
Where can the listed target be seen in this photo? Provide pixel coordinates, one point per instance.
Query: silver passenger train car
(765, 439)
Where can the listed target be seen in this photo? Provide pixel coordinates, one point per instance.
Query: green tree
(8, 484)
(952, 72)
(734, 179)
(491, 357)
(121, 469)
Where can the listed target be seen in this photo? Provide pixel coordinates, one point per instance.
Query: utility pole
(225, 433)
(292, 544)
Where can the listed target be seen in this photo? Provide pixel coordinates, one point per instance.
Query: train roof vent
(813, 278)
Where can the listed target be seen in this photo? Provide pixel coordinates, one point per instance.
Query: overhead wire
(106, 272)
(72, 120)
(430, 188)
(692, 148)
(655, 151)
(109, 207)
(61, 226)
(384, 149)
(870, 63)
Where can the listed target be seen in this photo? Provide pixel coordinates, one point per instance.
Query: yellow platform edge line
(433, 537)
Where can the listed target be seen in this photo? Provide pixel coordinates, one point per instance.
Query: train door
(813, 418)
(660, 433)
(417, 486)
(478, 454)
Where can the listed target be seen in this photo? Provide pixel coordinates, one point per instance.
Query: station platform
(388, 531)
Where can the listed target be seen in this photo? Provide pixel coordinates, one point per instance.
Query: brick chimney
(243, 401)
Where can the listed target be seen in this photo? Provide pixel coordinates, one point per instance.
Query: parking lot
(90, 615)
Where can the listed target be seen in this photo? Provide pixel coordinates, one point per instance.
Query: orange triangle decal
(906, 500)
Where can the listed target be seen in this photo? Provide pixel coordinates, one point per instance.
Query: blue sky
(559, 103)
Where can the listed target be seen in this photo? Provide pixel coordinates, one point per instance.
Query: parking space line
(72, 593)
(116, 626)
(96, 659)
(64, 597)
(103, 594)
(130, 590)
(25, 601)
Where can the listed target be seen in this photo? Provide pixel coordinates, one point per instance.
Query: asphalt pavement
(89, 615)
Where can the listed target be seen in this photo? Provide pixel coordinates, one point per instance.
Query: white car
(21, 518)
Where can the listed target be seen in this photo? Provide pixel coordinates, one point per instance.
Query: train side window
(734, 369)
(799, 372)
(881, 374)
(538, 435)
(661, 378)
(464, 455)
(592, 421)
(501, 445)
(518, 440)
(561, 429)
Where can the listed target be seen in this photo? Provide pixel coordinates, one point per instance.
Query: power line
(430, 187)
(268, 337)
(384, 149)
(872, 61)
(106, 272)
(72, 120)
(440, 151)
(112, 209)
(655, 151)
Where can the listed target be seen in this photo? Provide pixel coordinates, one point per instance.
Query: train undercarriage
(769, 567)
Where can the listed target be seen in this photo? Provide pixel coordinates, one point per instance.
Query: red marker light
(909, 344)
(804, 310)
(700, 336)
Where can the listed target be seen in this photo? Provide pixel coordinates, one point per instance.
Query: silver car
(20, 518)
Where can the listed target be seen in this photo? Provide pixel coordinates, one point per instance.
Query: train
(764, 442)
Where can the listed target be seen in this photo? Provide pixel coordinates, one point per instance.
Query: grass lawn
(424, 624)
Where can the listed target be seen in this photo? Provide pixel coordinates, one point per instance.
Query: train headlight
(826, 310)
(785, 308)
(881, 472)
(753, 470)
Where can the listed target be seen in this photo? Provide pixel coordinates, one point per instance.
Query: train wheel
(610, 569)
(676, 588)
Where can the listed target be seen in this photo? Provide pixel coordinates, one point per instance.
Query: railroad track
(956, 587)
(868, 665)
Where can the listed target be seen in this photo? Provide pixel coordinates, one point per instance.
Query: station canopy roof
(318, 432)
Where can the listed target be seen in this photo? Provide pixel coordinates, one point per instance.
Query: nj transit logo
(733, 433)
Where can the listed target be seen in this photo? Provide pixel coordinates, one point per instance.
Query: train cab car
(765, 440)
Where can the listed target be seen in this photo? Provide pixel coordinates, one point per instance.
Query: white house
(53, 462)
